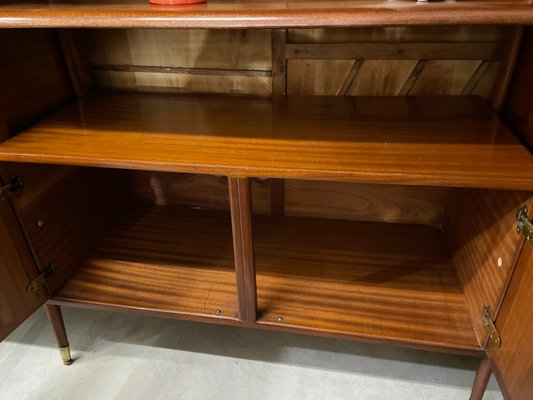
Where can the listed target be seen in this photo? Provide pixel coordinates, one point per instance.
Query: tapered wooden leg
(481, 380)
(56, 320)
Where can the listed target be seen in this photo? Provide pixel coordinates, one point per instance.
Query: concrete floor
(124, 356)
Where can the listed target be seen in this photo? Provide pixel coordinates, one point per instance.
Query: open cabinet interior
(355, 183)
(162, 242)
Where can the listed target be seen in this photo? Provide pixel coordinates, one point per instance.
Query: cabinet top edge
(261, 14)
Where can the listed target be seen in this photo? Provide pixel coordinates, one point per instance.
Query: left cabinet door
(17, 269)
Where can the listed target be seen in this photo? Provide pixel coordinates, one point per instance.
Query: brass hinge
(489, 326)
(524, 225)
(39, 282)
(12, 189)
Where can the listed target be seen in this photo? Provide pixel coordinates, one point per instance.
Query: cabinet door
(16, 270)
(513, 360)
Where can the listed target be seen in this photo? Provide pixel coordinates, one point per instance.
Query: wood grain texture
(406, 33)
(279, 62)
(481, 232)
(209, 192)
(454, 141)
(481, 380)
(17, 269)
(65, 212)
(365, 202)
(518, 109)
(226, 61)
(513, 361)
(260, 14)
(76, 60)
(388, 282)
(161, 259)
(507, 68)
(55, 317)
(243, 247)
(29, 91)
(395, 51)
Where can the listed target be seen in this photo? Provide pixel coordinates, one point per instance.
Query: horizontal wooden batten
(254, 13)
(164, 259)
(439, 141)
(390, 282)
(181, 70)
(396, 51)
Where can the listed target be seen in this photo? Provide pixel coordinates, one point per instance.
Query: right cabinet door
(513, 361)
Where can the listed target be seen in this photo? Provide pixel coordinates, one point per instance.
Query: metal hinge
(489, 326)
(524, 225)
(12, 189)
(39, 282)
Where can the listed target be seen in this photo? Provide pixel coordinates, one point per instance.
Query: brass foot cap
(68, 362)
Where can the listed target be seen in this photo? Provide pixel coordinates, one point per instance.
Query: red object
(177, 2)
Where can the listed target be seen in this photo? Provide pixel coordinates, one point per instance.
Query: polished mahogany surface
(161, 259)
(373, 281)
(391, 282)
(261, 13)
(446, 141)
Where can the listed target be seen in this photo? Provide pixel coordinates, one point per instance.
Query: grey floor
(125, 356)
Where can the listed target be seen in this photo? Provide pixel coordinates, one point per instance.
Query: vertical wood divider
(241, 221)
(507, 66)
(279, 88)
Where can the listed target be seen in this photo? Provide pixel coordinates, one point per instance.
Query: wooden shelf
(161, 259)
(384, 282)
(261, 13)
(444, 141)
(373, 281)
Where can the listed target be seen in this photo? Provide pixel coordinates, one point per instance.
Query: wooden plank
(507, 66)
(182, 70)
(440, 77)
(365, 202)
(519, 104)
(443, 141)
(17, 269)
(277, 197)
(209, 192)
(179, 83)
(76, 60)
(395, 51)
(512, 362)
(143, 265)
(65, 212)
(253, 14)
(481, 231)
(241, 222)
(279, 62)
(307, 77)
(448, 33)
(381, 77)
(332, 276)
(352, 74)
(30, 91)
(230, 49)
(476, 77)
(413, 77)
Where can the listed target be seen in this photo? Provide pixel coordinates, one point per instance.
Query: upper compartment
(261, 13)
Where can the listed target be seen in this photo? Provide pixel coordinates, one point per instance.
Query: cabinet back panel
(480, 227)
(332, 200)
(442, 60)
(34, 77)
(66, 211)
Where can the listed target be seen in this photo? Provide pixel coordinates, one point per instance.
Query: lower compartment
(376, 281)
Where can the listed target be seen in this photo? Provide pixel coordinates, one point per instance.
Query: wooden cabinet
(364, 182)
